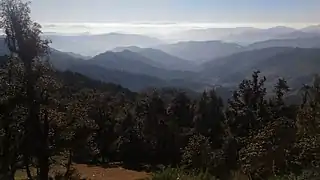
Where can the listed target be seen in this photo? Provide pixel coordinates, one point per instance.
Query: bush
(311, 174)
(72, 175)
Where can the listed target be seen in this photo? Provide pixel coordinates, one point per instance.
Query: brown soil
(100, 173)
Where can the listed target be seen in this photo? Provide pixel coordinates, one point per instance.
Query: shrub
(72, 175)
(310, 174)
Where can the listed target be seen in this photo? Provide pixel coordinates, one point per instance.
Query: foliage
(198, 153)
(308, 174)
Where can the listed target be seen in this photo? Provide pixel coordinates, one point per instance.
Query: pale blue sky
(216, 11)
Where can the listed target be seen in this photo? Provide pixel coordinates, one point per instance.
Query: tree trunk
(31, 126)
(69, 164)
(44, 167)
(26, 163)
(13, 170)
(44, 151)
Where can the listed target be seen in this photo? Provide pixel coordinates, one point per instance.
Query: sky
(294, 13)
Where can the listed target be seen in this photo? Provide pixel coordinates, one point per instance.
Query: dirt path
(99, 173)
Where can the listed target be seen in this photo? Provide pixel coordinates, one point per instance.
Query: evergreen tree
(150, 113)
(130, 140)
(209, 118)
(101, 110)
(247, 113)
(180, 111)
(247, 110)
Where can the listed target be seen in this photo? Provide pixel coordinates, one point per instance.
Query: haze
(167, 16)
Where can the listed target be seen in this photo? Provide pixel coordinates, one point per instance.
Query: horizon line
(156, 24)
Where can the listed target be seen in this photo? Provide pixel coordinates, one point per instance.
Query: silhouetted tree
(24, 42)
(209, 118)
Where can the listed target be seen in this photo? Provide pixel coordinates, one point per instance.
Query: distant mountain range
(130, 73)
(309, 42)
(135, 63)
(200, 51)
(91, 45)
(255, 35)
(161, 59)
(186, 56)
(194, 65)
(246, 35)
(196, 45)
(203, 51)
(297, 65)
(208, 33)
(312, 29)
(129, 69)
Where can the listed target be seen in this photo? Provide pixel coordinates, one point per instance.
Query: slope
(161, 59)
(200, 51)
(310, 42)
(231, 64)
(294, 64)
(133, 81)
(91, 45)
(135, 63)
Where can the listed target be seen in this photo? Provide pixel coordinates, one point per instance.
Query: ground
(100, 173)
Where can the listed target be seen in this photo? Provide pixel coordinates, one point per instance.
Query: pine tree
(209, 118)
(150, 113)
(264, 132)
(180, 110)
(247, 113)
(131, 140)
(101, 110)
(247, 110)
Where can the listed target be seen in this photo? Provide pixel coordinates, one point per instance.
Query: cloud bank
(159, 28)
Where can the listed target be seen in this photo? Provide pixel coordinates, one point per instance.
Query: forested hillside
(50, 118)
(133, 72)
(161, 59)
(135, 63)
(293, 64)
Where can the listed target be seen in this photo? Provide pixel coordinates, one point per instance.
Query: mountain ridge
(91, 45)
(163, 60)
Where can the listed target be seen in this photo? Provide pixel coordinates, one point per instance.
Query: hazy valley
(159, 90)
(138, 62)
